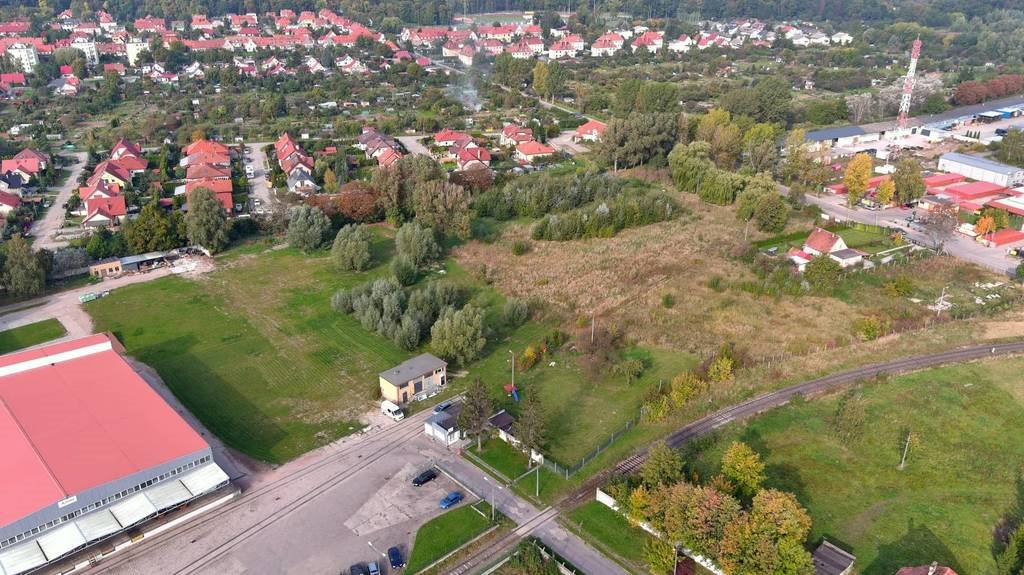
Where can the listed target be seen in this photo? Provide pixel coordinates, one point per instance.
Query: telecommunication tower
(908, 84)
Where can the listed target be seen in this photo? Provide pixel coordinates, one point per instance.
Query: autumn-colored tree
(768, 539)
(856, 177)
(908, 180)
(742, 466)
(985, 225)
(885, 193)
(358, 202)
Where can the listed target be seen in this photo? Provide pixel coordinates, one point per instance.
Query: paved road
(44, 229)
(529, 520)
(957, 245)
(778, 398)
(259, 183)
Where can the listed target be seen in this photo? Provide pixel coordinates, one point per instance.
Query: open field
(29, 335)
(693, 261)
(961, 478)
(446, 533)
(610, 529)
(254, 349)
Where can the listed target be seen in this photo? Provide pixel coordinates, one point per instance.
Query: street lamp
(494, 486)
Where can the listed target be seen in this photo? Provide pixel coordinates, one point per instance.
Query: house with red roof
(26, 163)
(220, 187)
(116, 67)
(562, 49)
(204, 145)
(104, 211)
(124, 147)
(465, 55)
(529, 152)
(150, 24)
(822, 241)
(8, 202)
(112, 173)
(472, 157)
(11, 79)
(447, 138)
(933, 569)
(589, 132)
(206, 172)
(651, 40)
(607, 45)
(681, 45)
(503, 33)
(513, 135)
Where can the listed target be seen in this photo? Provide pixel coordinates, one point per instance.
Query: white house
(24, 55)
(841, 38)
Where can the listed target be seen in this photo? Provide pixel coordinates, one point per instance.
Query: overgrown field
(682, 285)
(961, 479)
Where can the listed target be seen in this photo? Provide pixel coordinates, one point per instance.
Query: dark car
(442, 406)
(395, 558)
(424, 478)
(358, 569)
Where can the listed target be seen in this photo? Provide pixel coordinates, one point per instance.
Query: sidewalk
(565, 543)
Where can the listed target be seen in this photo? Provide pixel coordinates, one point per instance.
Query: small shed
(502, 422)
(831, 560)
(142, 262)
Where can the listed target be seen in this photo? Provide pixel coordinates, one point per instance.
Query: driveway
(319, 514)
(43, 230)
(563, 143)
(414, 144)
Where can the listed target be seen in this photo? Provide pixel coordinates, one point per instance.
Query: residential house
(589, 132)
(513, 135)
(104, 212)
(8, 202)
(416, 378)
(123, 148)
(473, 157)
(823, 242)
(681, 45)
(24, 54)
(502, 423)
(933, 569)
(11, 182)
(651, 40)
(562, 49)
(27, 163)
(529, 152)
(112, 173)
(447, 138)
(301, 182)
(842, 38)
(465, 55)
(607, 45)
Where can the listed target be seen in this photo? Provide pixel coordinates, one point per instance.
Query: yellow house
(416, 378)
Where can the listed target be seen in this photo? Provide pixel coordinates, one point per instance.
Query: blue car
(451, 499)
(395, 558)
(442, 406)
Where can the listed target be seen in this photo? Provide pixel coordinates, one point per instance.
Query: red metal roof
(937, 180)
(74, 416)
(973, 190)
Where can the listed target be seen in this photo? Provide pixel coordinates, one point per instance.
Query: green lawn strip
(610, 529)
(30, 334)
(446, 533)
(511, 462)
(959, 482)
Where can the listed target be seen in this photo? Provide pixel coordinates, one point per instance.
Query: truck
(391, 410)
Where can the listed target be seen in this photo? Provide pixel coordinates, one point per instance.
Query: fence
(569, 471)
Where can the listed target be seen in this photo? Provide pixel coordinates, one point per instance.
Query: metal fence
(569, 471)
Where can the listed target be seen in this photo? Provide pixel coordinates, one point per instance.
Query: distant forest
(927, 12)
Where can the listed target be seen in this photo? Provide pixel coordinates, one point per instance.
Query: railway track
(780, 397)
(487, 554)
(377, 442)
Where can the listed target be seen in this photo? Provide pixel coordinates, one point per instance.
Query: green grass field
(446, 533)
(610, 529)
(255, 351)
(962, 477)
(29, 335)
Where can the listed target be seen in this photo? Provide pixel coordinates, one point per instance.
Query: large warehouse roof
(980, 163)
(74, 416)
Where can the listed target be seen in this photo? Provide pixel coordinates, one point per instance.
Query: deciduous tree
(908, 181)
(459, 335)
(742, 466)
(664, 466)
(417, 244)
(856, 177)
(530, 427)
(23, 274)
(308, 229)
(444, 207)
(477, 407)
(351, 248)
(205, 222)
(823, 274)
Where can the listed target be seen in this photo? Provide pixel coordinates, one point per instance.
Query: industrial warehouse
(90, 449)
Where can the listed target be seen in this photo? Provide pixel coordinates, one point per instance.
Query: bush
(902, 286)
(869, 328)
(606, 219)
(668, 301)
(520, 247)
(823, 274)
(403, 270)
(516, 312)
(351, 249)
(308, 228)
(417, 244)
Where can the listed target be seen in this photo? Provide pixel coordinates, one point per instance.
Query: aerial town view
(519, 287)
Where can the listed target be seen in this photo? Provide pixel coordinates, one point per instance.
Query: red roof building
(589, 132)
(472, 157)
(532, 150)
(205, 146)
(823, 242)
(933, 569)
(939, 180)
(973, 190)
(90, 449)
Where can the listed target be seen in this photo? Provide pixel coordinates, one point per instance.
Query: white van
(249, 171)
(391, 410)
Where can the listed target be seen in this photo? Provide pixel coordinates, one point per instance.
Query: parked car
(452, 499)
(374, 569)
(395, 558)
(442, 406)
(358, 569)
(424, 478)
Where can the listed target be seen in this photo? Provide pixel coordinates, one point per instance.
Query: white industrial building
(982, 169)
